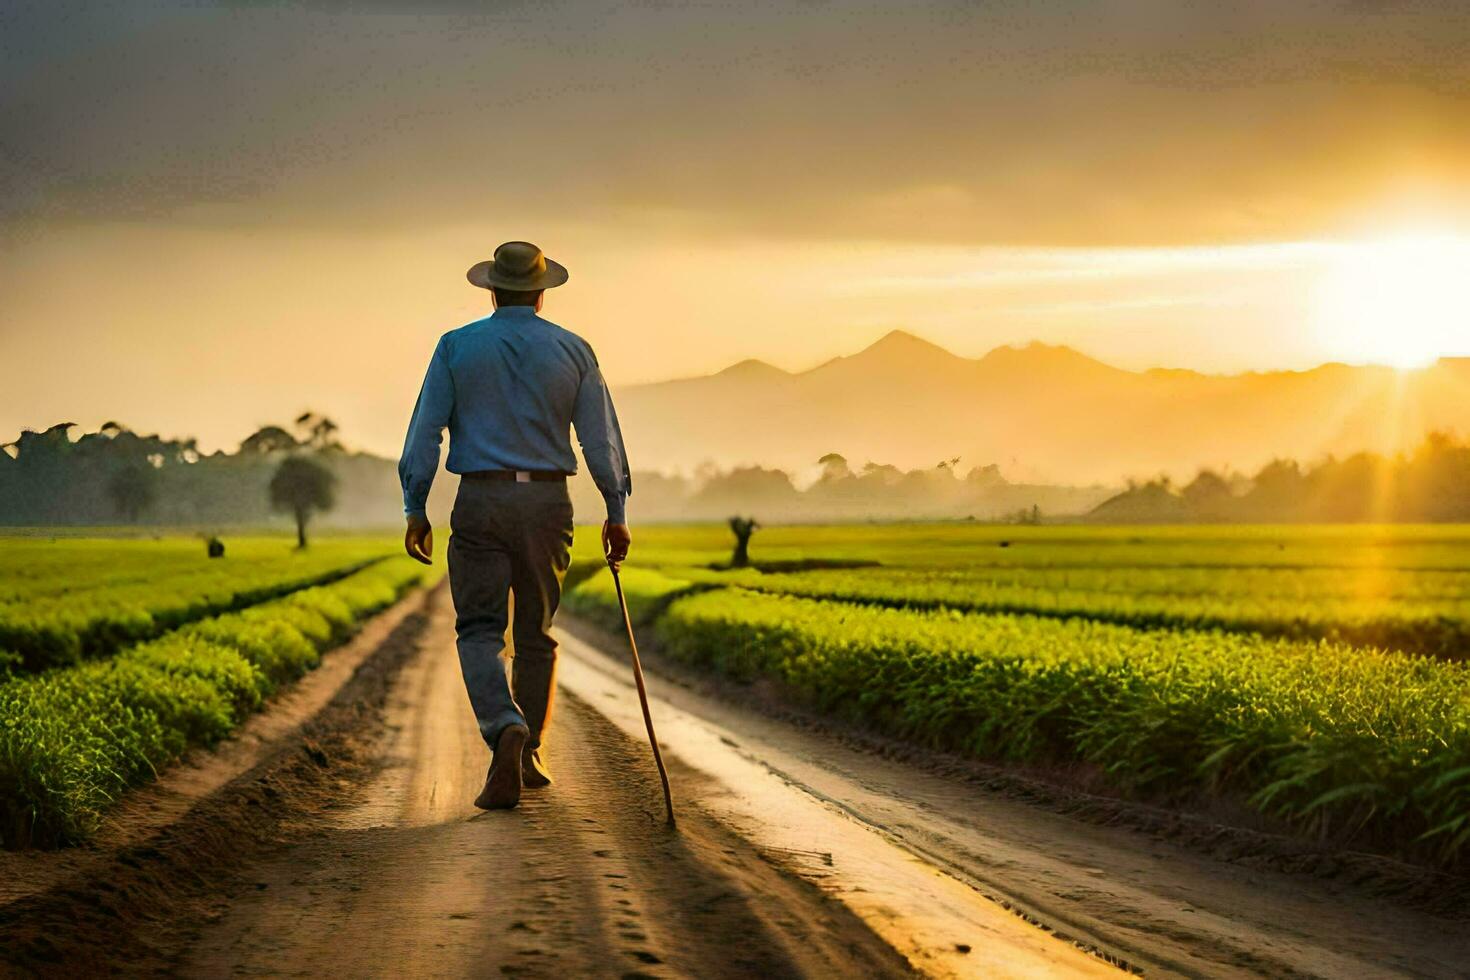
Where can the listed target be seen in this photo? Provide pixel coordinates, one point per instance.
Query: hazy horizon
(353, 442)
(220, 215)
(1042, 414)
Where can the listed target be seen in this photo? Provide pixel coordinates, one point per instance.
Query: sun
(1402, 300)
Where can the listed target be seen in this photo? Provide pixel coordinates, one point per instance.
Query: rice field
(126, 653)
(65, 600)
(1317, 675)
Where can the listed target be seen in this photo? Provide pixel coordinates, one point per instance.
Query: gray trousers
(508, 538)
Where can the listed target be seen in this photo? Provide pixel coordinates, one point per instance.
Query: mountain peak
(901, 342)
(897, 350)
(750, 367)
(1037, 354)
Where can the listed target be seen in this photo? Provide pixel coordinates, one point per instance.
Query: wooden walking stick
(643, 693)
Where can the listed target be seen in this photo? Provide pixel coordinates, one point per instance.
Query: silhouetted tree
(266, 440)
(301, 487)
(834, 466)
(743, 527)
(985, 477)
(1278, 489)
(317, 431)
(132, 490)
(1436, 480)
(1026, 515)
(1208, 495)
(745, 485)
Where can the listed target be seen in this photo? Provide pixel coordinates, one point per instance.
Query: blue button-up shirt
(508, 387)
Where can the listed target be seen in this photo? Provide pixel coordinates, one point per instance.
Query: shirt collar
(505, 311)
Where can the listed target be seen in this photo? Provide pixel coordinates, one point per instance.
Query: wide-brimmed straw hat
(520, 266)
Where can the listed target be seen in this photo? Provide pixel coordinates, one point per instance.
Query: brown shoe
(533, 770)
(503, 782)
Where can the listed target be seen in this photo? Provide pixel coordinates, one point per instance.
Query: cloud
(1065, 123)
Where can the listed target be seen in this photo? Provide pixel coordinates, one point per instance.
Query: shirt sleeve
(420, 460)
(597, 428)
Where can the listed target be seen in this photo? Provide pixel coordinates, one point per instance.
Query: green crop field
(121, 654)
(65, 600)
(1317, 674)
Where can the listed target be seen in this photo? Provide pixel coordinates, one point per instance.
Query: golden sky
(217, 215)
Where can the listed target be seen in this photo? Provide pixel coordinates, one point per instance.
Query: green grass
(73, 738)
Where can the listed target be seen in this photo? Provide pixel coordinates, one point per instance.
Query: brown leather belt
(517, 476)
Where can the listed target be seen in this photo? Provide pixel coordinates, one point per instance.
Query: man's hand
(418, 540)
(615, 541)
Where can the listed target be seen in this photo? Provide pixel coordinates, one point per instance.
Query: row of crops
(1341, 549)
(73, 736)
(65, 601)
(1398, 588)
(1268, 684)
(1417, 612)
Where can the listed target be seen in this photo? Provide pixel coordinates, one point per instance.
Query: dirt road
(584, 880)
(335, 836)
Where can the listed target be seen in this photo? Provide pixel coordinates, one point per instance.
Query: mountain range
(1042, 413)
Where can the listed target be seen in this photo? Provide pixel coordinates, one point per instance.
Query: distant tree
(1142, 503)
(985, 477)
(266, 440)
(1437, 479)
(743, 528)
(834, 466)
(317, 431)
(1208, 495)
(132, 490)
(1278, 491)
(747, 486)
(881, 472)
(302, 487)
(1279, 478)
(214, 547)
(50, 446)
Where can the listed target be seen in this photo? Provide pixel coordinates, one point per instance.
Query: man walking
(509, 387)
